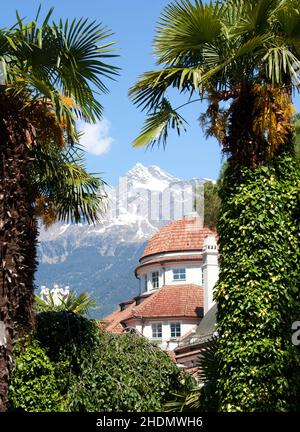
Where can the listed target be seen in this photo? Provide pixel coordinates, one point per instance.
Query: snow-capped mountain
(101, 258)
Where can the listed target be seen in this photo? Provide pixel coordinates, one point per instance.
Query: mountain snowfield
(101, 258)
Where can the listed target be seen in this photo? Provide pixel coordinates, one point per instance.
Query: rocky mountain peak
(105, 254)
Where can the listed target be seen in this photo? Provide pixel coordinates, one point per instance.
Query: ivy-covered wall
(258, 292)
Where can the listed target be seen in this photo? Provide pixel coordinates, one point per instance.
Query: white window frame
(156, 329)
(181, 272)
(175, 335)
(155, 279)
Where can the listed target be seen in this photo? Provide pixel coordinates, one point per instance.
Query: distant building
(177, 273)
(57, 293)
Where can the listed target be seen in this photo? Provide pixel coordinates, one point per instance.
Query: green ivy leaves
(258, 292)
(75, 367)
(34, 386)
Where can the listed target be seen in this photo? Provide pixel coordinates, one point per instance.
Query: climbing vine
(258, 292)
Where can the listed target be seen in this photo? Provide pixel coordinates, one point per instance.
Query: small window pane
(155, 280)
(157, 331)
(145, 282)
(175, 330)
(179, 274)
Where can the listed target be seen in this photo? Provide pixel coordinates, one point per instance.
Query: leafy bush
(258, 291)
(127, 373)
(97, 371)
(34, 386)
(67, 336)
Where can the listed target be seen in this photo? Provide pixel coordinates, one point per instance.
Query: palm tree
(50, 74)
(243, 58)
(243, 53)
(61, 190)
(79, 304)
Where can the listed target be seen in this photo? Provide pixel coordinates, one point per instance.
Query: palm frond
(287, 19)
(184, 27)
(279, 61)
(252, 45)
(150, 90)
(81, 201)
(80, 53)
(208, 364)
(65, 185)
(44, 306)
(80, 304)
(254, 15)
(186, 402)
(158, 124)
(61, 59)
(203, 396)
(287, 16)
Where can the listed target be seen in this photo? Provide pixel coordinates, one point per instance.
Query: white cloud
(95, 137)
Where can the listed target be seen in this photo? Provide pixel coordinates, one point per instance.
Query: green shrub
(34, 386)
(258, 291)
(67, 336)
(127, 373)
(69, 341)
(104, 372)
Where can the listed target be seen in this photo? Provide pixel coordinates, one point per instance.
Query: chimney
(210, 270)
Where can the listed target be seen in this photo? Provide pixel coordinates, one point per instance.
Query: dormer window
(179, 274)
(155, 280)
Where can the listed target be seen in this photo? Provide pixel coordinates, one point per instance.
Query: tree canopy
(213, 50)
(52, 74)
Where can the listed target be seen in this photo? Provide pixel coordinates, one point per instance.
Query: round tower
(174, 255)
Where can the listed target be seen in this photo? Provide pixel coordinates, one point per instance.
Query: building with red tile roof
(185, 234)
(176, 273)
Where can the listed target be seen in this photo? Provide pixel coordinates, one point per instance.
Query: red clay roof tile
(170, 301)
(114, 319)
(180, 235)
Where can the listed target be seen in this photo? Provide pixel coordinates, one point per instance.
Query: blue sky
(133, 23)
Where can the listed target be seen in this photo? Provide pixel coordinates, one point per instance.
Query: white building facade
(177, 273)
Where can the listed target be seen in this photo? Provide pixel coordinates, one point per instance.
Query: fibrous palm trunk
(18, 233)
(244, 147)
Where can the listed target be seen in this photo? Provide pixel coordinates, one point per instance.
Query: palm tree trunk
(18, 232)
(243, 146)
